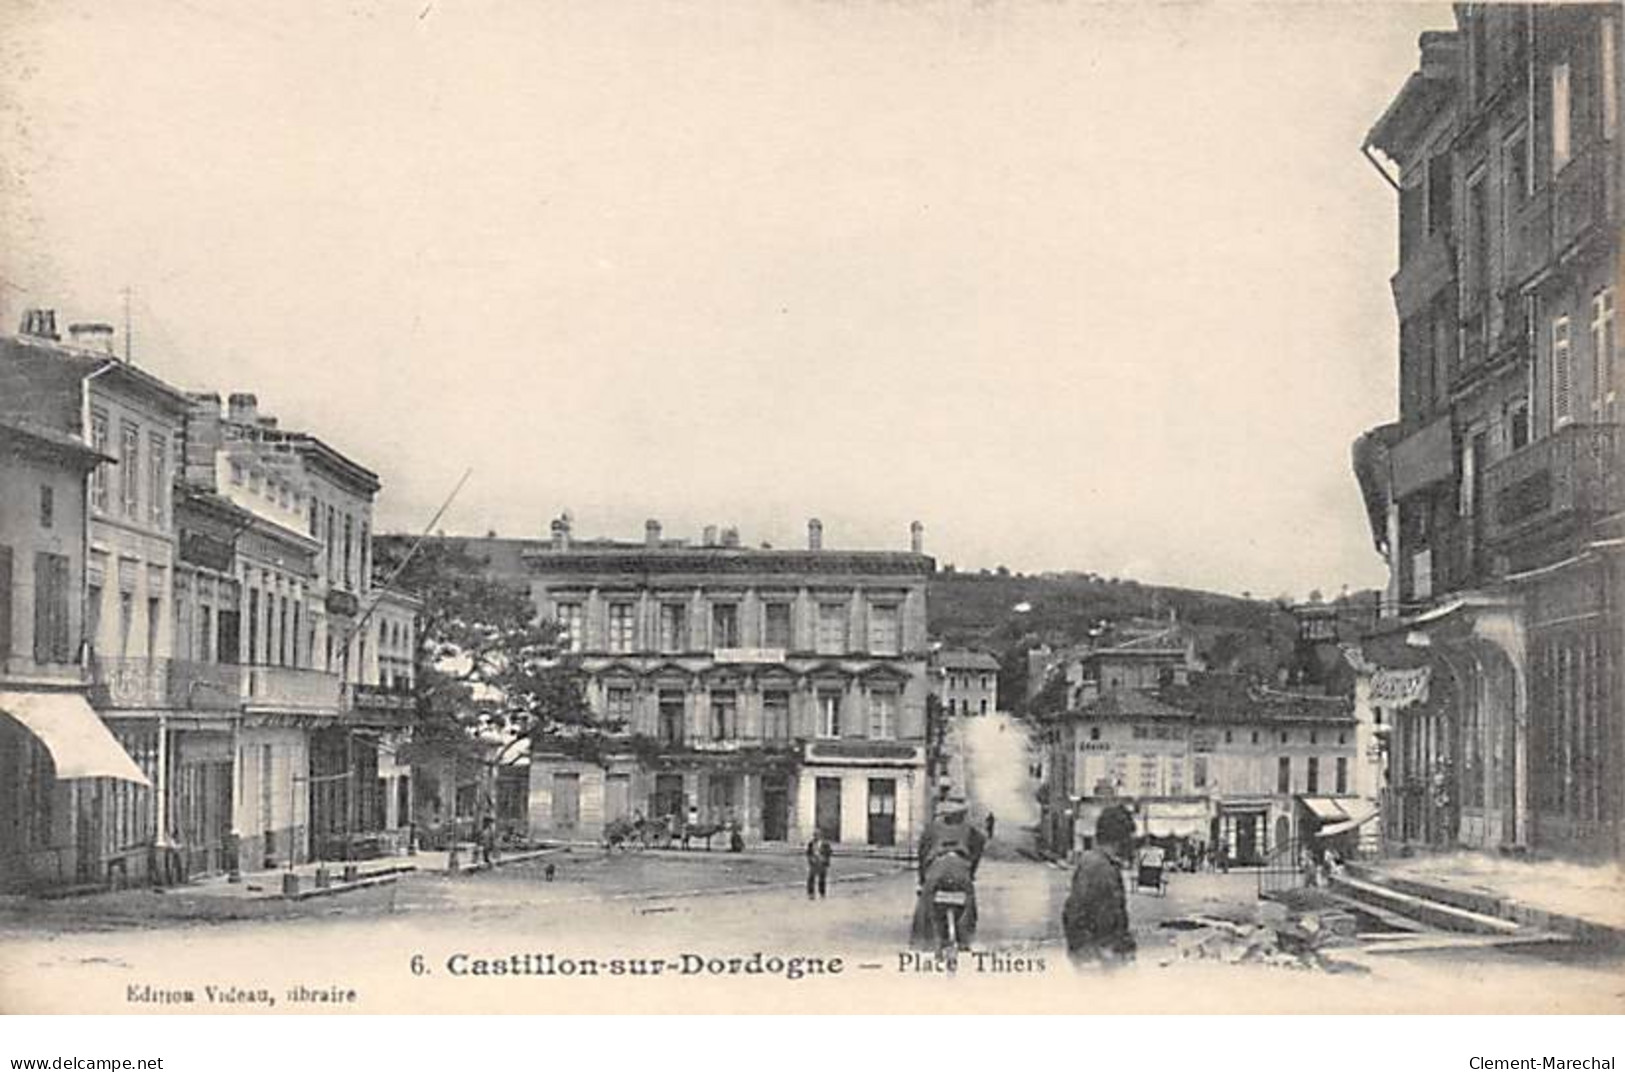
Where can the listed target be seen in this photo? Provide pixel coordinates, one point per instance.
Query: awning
(1177, 819)
(1333, 829)
(80, 745)
(1324, 809)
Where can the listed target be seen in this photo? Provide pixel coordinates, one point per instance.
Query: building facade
(772, 690)
(1214, 759)
(965, 682)
(1497, 496)
(50, 785)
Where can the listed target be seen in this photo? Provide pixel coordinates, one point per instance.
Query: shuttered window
(1562, 374)
(51, 640)
(5, 602)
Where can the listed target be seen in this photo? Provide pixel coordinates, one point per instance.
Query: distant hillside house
(966, 682)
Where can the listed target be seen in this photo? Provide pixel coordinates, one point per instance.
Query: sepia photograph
(812, 506)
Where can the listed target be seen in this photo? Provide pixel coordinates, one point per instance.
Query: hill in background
(980, 610)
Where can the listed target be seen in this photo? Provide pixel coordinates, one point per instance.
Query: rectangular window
(1149, 775)
(724, 716)
(315, 519)
(618, 705)
(1609, 56)
(130, 470)
(568, 617)
(154, 616)
(1312, 779)
(883, 716)
(1283, 775)
(98, 475)
(47, 506)
(776, 716)
(671, 717)
(349, 541)
(1562, 374)
(1198, 772)
(157, 477)
(1342, 775)
(725, 625)
(1515, 168)
(673, 627)
(52, 643)
(1439, 193)
(1562, 102)
(5, 602)
(776, 626)
(884, 635)
(1517, 419)
(621, 626)
(829, 713)
(1604, 353)
(832, 628)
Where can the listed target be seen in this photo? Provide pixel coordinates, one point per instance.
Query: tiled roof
(965, 660)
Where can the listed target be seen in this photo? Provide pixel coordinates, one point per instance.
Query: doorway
(775, 808)
(669, 798)
(617, 797)
(566, 801)
(827, 807)
(883, 811)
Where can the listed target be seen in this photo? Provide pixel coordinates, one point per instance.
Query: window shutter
(5, 602)
(1562, 374)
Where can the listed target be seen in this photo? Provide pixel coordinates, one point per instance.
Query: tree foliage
(484, 660)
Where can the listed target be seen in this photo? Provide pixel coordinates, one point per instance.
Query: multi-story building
(1497, 496)
(57, 759)
(315, 753)
(1207, 756)
(779, 690)
(119, 410)
(965, 682)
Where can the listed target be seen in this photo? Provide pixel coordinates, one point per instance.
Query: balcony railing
(380, 697)
(1531, 247)
(205, 686)
(1425, 272)
(1585, 195)
(130, 683)
(291, 688)
(1567, 477)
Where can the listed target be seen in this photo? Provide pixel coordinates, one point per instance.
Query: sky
(1079, 286)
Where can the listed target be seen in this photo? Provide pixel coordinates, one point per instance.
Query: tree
(484, 662)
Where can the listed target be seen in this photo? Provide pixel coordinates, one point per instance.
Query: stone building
(1212, 757)
(778, 690)
(56, 756)
(1497, 496)
(966, 682)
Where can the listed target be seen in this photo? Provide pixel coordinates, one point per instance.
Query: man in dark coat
(950, 851)
(1095, 917)
(819, 852)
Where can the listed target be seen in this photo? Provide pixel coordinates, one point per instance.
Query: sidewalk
(256, 895)
(1586, 900)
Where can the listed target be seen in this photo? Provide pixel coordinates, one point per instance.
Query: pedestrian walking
(990, 826)
(1095, 917)
(819, 852)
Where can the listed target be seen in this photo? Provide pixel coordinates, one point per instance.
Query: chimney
(708, 537)
(815, 535)
(242, 408)
(40, 324)
(651, 533)
(561, 532)
(730, 537)
(916, 537)
(97, 337)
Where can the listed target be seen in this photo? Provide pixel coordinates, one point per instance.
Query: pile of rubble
(1298, 942)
